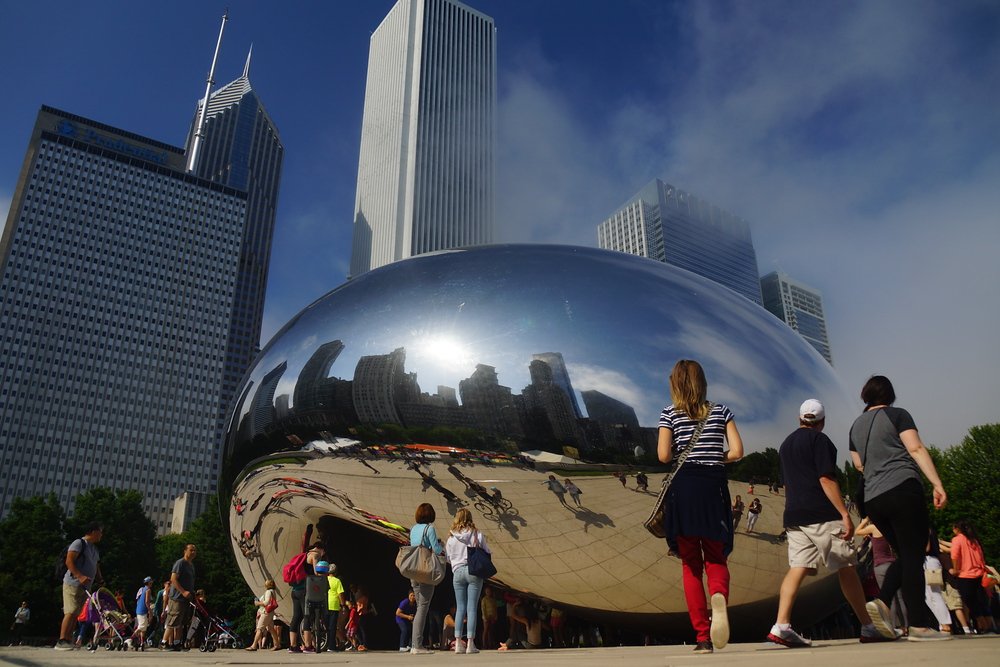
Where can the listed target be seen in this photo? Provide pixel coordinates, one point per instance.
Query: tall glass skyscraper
(241, 148)
(426, 169)
(798, 306)
(122, 285)
(674, 227)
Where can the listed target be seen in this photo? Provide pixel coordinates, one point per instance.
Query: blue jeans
(405, 632)
(467, 590)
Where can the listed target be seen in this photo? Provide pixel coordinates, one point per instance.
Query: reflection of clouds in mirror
(610, 382)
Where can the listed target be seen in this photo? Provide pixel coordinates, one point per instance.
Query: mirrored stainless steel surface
(490, 353)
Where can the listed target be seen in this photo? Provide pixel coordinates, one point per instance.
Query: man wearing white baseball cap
(818, 525)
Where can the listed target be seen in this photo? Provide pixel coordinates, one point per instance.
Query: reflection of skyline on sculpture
(544, 414)
(461, 338)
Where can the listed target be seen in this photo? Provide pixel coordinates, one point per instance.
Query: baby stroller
(112, 624)
(213, 631)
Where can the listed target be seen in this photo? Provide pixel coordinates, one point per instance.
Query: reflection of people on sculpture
(738, 508)
(468, 586)
(819, 527)
(698, 513)
(555, 487)
(573, 490)
(641, 482)
(887, 449)
(753, 513)
(422, 533)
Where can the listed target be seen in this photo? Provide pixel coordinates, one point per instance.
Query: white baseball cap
(811, 411)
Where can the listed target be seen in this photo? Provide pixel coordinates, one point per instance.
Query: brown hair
(688, 388)
(463, 520)
(425, 513)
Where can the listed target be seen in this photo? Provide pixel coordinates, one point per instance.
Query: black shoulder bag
(859, 497)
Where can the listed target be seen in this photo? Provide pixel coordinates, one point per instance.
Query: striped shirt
(709, 450)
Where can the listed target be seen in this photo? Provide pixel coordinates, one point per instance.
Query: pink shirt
(967, 557)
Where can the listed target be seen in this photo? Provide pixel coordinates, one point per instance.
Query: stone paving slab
(964, 651)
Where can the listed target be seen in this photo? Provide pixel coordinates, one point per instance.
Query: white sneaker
(420, 651)
(459, 646)
(788, 638)
(404, 649)
(470, 646)
(720, 621)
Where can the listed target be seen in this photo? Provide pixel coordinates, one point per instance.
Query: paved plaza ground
(971, 651)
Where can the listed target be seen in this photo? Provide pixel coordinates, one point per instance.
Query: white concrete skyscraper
(426, 169)
(800, 307)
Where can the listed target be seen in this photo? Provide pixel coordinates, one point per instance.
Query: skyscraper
(241, 148)
(119, 278)
(426, 169)
(798, 306)
(674, 227)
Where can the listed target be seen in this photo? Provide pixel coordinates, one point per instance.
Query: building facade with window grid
(428, 135)
(672, 226)
(118, 278)
(800, 307)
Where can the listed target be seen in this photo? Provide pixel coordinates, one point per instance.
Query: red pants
(698, 554)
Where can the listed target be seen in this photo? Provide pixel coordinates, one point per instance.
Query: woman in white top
(467, 586)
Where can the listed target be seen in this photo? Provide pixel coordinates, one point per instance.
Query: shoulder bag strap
(864, 457)
(423, 538)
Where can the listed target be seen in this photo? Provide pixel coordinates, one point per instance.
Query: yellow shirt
(336, 590)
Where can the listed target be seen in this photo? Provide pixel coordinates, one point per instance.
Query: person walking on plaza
(160, 610)
(738, 508)
(267, 603)
(21, 618)
(818, 525)
(698, 517)
(968, 568)
(753, 513)
(558, 489)
(422, 533)
(573, 490)
(888, 451)
(468, 586)
(179, 609)
(82, 569)
(143, 608)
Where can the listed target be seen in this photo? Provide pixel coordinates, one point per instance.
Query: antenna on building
(246, 68)
(200, 127)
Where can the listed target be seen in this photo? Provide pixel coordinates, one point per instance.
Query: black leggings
(973, 595)
(901, 515)
(298, 607)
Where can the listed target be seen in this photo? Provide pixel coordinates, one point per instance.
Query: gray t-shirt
(185, 575)
(875, 437)
(86, 561)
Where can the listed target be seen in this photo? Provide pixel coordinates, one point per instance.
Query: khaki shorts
(810, 545)
(179, 613)
(73, 599)
(141, 622)
(951, 597)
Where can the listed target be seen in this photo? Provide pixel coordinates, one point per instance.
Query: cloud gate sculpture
(465, 378)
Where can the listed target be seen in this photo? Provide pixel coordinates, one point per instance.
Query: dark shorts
(179, 613)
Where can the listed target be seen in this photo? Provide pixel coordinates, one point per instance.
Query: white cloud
(858, 140)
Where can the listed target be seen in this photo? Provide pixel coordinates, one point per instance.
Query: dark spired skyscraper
(241, 149)
(131, 290)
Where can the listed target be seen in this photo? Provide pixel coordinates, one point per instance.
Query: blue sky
(860, 139)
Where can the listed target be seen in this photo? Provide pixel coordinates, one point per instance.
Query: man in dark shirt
(818, 525)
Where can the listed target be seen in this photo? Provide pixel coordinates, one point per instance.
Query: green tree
(217, 572)
(31, 539)
(169, 548)
(760, 466)
(127, 549)
(970, 473)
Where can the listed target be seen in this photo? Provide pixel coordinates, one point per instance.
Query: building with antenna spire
(131, 291)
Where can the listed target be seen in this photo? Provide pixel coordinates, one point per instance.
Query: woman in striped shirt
(698, 520)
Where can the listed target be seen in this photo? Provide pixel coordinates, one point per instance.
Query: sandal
(250, 648)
